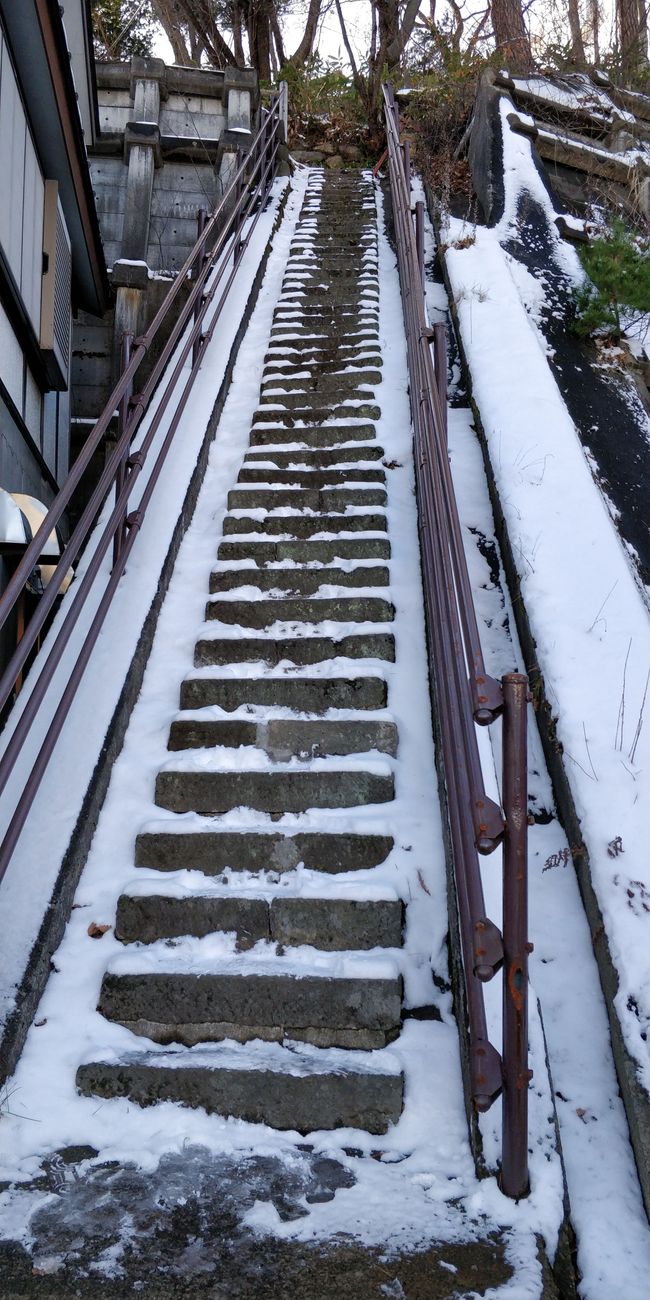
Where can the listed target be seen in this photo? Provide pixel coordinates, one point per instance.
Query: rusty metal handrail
(210, 267)
(466, 695)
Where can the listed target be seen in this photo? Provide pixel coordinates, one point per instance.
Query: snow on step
(164, 847)
(297, 1087)
(299, 651)
(282, 609)
(257, 736)
(282, 739)
(275, 791)
(307, 581)
(328, 922)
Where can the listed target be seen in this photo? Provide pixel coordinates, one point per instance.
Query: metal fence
(466, 695)
(210, 268)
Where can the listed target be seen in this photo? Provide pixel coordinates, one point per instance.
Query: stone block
(305, 694)
(337, 924)
(297, 650)
(274, 792)
(212, 851)
(298, 1099)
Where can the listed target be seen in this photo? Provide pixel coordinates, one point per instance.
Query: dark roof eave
(56, 52)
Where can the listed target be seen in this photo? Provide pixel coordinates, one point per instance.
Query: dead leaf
(421, 880)
(38, 1024)
(96, 931)
(580, 1112)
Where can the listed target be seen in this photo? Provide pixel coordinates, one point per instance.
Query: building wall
(150, 186)
(33, 420)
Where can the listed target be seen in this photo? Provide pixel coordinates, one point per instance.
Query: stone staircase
(288, 1026)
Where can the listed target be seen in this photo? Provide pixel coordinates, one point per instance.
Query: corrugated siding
(21, 209)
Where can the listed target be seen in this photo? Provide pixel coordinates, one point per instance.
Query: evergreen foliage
(122, 28)
(618, 266)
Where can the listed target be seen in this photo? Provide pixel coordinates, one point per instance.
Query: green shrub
(618, 266)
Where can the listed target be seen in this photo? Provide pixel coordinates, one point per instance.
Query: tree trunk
(397, 47)
(277, 39)
(259, 38)
(198, 15)
(633, 34)
(306, 46)
(170, 23)
(237, 40)
(513, 45)
(595, 30)
(577, 44)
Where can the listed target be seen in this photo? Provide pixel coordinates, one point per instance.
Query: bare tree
(632, 21)
(510, 34)
(195, 30)
(575, 27)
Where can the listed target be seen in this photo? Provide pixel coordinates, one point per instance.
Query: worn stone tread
(289, 1093)
(305, 694)
(301, 651)
(276, 791)
(212, 851)
(285, 738)
(281, 609)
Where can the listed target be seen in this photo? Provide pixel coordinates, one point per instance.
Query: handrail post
(406, 155)
(122, 417)
(440, 365)
(239, 223)
(419, 237)
(516, 1075)
(201, 260)
(283, 109)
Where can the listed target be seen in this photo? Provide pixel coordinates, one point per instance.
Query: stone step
(282, 739)
(305, 581)
(318, 243)
(302, 651)
(345, 301)
(324, 499)
(280, 609)
(292, 413)
(348, 300)
(332, 266)
(304, 526)
(317, 458)
(309, 478)
(304, 694)
(324, 435)
(171, 1007)
(338, 325)
(329, 924)
(322, 348)
(306, 551)
(214, 851)
(293, 333)
(330, 288)
(345, 267)
(280, 791)
(351, 383)
(310, 362)
(266, 1084)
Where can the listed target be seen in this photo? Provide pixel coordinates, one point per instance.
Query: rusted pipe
(516, 1075)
